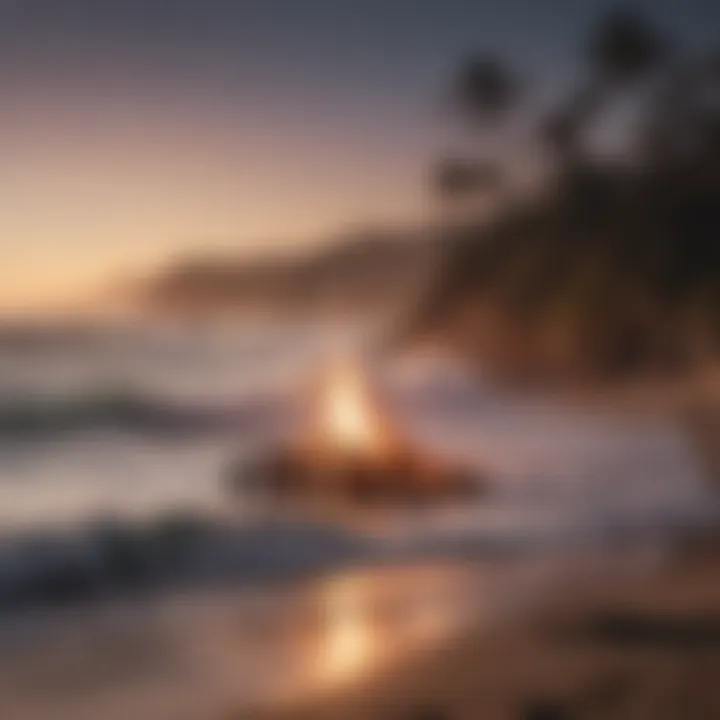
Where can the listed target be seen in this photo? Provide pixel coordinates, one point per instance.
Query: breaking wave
(128, 412)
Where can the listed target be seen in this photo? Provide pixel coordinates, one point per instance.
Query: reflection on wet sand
(239, 650)
(372, 619)
(204, 654)
(349, 641)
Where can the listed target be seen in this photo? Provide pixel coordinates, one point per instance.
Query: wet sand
(207, 655)
(181, 658)
(638, 649)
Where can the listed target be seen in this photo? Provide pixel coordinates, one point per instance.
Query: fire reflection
(350, 643)
(369, 620)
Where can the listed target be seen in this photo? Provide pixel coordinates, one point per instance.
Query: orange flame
(350, 417)
(350, 420)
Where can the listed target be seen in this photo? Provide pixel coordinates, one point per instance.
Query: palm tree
(563, 129)
(681, 125)
(625, 48)
(457, 178)
(485, 90)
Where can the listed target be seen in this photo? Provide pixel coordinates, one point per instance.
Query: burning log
(354, 452)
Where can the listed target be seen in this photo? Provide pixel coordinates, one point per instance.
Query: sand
(645, 649)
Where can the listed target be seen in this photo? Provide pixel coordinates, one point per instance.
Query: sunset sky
(137, 131)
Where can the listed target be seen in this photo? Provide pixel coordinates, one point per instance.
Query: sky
(137, 132)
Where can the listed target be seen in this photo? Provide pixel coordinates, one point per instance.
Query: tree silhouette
(625, 47)
(483, 93)
(457, 178)
(619, 266)
(485, 90)
(622, 50)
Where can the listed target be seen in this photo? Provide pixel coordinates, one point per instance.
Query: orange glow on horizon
(96, 190)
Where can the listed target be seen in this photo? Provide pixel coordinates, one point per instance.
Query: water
(134, 421)
(128, 421)
(107, 436)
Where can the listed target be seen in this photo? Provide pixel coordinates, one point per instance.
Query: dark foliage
(613, 267)
(456, 177)
(485, 89)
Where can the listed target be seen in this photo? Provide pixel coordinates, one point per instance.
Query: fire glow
(350, 420)
(353, 449)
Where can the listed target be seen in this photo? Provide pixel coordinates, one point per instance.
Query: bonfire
(351, 448)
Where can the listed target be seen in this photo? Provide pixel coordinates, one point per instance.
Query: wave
(115, 558)
(47, 418)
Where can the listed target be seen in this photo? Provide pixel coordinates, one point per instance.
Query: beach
(133, 585)
(644, 647)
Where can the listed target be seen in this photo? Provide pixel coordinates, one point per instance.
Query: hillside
(619, 277)
(361, 273)
(612, 267)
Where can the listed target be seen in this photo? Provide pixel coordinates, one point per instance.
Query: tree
(457, 178)
(618, 266)
(485, 90)
(625, 47)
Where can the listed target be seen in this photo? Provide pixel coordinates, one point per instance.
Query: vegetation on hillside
(612, 265)
(366, 272)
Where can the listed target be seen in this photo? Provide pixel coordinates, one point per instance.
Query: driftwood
(406, 477)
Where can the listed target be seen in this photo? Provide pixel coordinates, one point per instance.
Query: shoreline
(640, 648)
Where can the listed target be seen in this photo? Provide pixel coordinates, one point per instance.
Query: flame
(350, 419)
